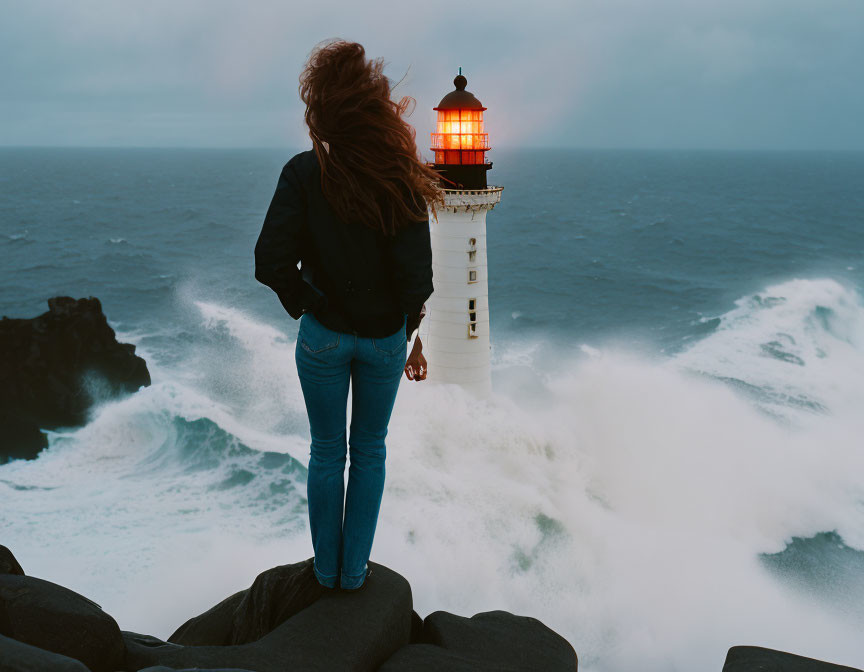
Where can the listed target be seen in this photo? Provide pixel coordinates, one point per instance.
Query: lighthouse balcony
(457, 141)
(466, 200)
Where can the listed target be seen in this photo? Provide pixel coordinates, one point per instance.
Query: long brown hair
(372, 172)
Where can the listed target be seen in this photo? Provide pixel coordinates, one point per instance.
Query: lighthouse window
(472, 318)
(472, 275)
(472, 249)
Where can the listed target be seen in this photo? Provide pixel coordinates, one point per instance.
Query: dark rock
(214, 627)
(8, 563)
(492, 640)
(274, 597)
(416, 627)
(284, 622)
(44, 365)
(20, 439)
(338, 631)
(51, 617)
(429, 658)
(17, 656)
(162, 668)
(757, 659)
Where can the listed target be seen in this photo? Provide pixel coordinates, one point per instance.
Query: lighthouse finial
(460, 82)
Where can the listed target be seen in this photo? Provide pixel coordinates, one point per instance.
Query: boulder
(17, 656)
(492, 640)
(275, 596)
(351, 632)
(8, 563)
(757, 659)
(284, 622)
(54, 618)
(20, 438)
(215, 627)
(162, 668)
(45, 365)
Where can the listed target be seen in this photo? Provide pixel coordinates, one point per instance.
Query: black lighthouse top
(460, 99)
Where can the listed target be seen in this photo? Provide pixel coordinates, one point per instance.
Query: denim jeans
(326, 361)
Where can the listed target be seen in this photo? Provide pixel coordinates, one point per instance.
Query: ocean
(671, 462)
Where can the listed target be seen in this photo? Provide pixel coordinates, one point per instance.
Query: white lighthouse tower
(458, 339)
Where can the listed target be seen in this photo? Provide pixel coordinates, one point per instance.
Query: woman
(353, 212)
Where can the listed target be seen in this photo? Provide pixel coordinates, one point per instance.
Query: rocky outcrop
(275, 596)
(17, 656)
(284, 621)
(45, 615)
(335, 631)
(489, 641)
(45, 365)
(8, 563)
(757, 659)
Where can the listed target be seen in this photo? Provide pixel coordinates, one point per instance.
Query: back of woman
(352, 212)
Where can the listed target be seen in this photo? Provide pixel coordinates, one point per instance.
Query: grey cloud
(621, 73)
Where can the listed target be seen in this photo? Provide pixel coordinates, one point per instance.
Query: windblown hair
(372, 173)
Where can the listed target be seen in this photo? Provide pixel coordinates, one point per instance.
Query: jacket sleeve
(278, 249)
(413, 322)
(412, 258)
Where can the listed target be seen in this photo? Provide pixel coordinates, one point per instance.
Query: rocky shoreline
(53, 367)
(285, 621)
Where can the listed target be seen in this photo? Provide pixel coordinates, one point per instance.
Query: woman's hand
(415, 367)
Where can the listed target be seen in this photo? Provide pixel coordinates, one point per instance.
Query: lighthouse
(458, 340)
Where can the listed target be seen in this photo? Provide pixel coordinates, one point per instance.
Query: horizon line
(586, 148)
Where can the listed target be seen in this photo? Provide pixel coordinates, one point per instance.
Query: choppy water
(678, 347)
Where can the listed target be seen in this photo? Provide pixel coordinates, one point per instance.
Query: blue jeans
(326, 361)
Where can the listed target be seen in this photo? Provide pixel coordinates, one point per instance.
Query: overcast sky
(729, 74)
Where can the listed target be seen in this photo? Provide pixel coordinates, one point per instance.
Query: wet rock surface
(51, 366)
(758, 659)
(284, 621)
(8, 563)
(46, 615)
(17, 656)
(493, 640)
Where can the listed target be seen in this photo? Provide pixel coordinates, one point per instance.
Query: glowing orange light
(459, 137)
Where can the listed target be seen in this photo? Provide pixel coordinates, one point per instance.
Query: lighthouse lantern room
(458, 341)
(459, 141)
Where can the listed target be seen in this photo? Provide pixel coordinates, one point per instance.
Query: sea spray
(627, 508)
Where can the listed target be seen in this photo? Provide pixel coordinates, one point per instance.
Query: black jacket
(352, 278)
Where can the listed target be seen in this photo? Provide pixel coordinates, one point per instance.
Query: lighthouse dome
(460, 99)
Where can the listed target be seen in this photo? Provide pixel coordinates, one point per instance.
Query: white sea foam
(623, 502)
